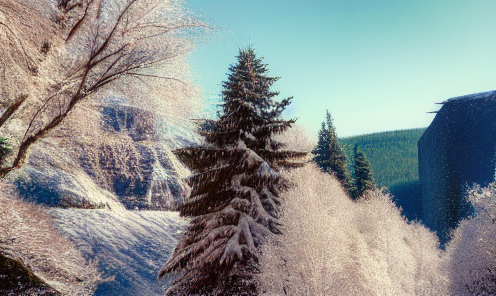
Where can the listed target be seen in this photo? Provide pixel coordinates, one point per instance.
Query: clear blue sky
(376, 65)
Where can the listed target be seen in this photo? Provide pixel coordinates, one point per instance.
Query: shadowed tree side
(236, 188)
(329, 155)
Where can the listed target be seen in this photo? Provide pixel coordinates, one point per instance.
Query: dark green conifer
(235, 184)
(248, 81)
(329, 155)
(5, 147)
(364, 179)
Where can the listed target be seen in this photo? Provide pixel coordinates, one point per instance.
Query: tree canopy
(55, 58)
(247, 80)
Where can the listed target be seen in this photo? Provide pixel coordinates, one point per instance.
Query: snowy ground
(130, 245)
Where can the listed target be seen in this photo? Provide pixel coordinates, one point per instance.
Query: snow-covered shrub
(27, 235)
(471, 254)
(295, 139)
(334, 246)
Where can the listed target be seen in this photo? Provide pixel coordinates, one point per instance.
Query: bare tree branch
(126, 38)
(12, 108)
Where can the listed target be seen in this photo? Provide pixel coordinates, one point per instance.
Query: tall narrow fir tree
(364, 179)
(236, 188)
(329, 155)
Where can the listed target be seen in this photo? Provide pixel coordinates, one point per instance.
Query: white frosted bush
(334, 246)
(471, 254)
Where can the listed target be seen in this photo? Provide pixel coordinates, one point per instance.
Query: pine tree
(248, 81)
(236, 188)
(364, 179)
(329, 155)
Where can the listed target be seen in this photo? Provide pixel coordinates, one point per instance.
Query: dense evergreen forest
(393, 156)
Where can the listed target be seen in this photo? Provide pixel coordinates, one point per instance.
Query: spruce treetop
(247, 80)
(329, 155)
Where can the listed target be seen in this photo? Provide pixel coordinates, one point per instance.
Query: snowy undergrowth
(129, 245)
(27, 235)
(334, 246)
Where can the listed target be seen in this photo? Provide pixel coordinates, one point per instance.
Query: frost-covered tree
(55, 56)
(471, 254)
(329, 155)
(35, 257)
(236, 188)
(364, 180)
(332, 245)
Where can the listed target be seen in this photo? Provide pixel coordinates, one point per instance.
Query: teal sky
(375, 65)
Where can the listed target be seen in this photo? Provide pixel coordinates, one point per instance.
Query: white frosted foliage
(333, 246)
(471, 254)
(125, 52)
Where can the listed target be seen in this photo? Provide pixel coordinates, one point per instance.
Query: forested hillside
(393, 155)
(394, 159)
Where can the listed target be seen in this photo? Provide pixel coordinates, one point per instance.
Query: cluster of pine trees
(236, 186)
(330, 157)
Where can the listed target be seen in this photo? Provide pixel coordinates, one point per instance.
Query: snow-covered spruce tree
(364, 180)
(329, 155)
(248, 82)
(236, 184)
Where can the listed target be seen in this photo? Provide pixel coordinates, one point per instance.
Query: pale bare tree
(61, 54)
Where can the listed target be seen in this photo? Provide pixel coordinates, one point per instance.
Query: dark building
(456, 151)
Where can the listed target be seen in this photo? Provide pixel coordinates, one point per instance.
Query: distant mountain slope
(393, 156)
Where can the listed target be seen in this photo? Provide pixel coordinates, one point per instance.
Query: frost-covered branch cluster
(334, 246)
(72, 51)
(472, 250)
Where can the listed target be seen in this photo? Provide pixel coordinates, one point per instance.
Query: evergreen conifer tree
(329, 155)
(236, 185)
(364, 179)
(248, 82)
(5, 147)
